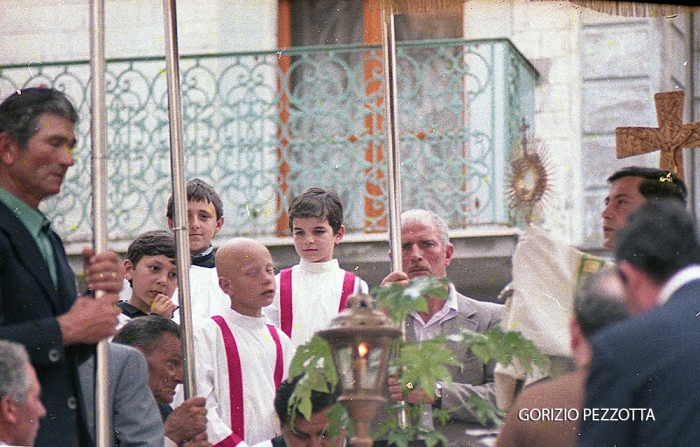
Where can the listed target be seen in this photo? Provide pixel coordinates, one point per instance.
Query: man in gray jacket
(427, 251)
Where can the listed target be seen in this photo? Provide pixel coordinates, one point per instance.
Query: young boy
(310, 294)
(240, 359)
(205, 217)
(151, 271)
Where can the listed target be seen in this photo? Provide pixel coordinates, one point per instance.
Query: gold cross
(669, 138)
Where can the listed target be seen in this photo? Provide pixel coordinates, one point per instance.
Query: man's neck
(434, 306)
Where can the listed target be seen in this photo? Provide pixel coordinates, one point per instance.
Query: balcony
(264, 126)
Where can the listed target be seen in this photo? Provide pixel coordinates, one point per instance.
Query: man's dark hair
(145, 333)
(20, 112)
(655, 183)
(660, 239)
(199, 191)
(152, 243)
(319, 401)
(599, 302)
(317, 202)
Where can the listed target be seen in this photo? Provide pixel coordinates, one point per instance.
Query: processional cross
(669, 138)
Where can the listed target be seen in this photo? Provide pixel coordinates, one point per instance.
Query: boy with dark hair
(312, 292)
(304, 432)
(205, 217)
(151, 271)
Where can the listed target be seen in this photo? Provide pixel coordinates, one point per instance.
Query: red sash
(235, 377)
(286, 297)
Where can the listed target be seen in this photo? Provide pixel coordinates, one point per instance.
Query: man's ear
(8, 410)
(449, 252)
(8, 148)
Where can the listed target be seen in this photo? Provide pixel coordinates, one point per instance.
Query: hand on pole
(188, 422)
(397, 277)
(103, 272)
(411, 394)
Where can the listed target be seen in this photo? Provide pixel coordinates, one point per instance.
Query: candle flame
(362, 349)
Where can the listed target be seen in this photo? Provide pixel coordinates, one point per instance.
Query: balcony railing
(264, 126)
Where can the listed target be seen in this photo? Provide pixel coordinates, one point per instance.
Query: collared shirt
(678, 280)
(430, 329)
(37, 224)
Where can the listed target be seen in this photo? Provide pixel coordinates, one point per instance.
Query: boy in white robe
(240, 359)
(205, 218)
(311, 293)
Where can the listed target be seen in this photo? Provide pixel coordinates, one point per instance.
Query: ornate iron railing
(263, 126)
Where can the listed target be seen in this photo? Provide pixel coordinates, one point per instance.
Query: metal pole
(177, 167)
(392, 147)
(392, 151)
(98, 138)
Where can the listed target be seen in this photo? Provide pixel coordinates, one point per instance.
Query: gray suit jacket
(136, 419)
(473, 376)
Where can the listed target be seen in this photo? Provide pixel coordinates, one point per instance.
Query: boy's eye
(173, 275)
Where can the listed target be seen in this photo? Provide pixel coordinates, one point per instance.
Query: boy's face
(151, 276)
(202, 224)
(314, 240)
(249, 280)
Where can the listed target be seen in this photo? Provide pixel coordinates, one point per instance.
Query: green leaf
(400, 301)
(423, 364)
(504, 347)
(433, 438)
(485, 411)
(315, 362)
(338, 418)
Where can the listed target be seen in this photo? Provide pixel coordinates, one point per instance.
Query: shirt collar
(318, 267)
(448, 310)
(206, 252)
(678, 280)
(33, 220)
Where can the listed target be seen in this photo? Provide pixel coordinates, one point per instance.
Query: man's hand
(89, 320)
(163, 305)
(415, 396)
(104, 271)
(400, 278)
(188, 422)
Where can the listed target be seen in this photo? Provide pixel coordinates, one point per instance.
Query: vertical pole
(98, 139)
(392, 150)
(392, 146)
(177, 167)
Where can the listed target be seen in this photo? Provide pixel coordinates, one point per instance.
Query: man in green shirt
(39, 305)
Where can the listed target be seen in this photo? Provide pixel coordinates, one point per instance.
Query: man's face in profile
(622, 200)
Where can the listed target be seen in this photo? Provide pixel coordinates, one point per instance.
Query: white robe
(206, 296)
(258, 355)
(316, 291)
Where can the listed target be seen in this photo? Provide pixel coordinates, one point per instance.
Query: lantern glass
(373, 359)
(343, 364)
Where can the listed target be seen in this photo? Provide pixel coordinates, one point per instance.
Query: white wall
(48, 30)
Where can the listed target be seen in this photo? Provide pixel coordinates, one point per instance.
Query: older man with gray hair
(20, 406)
